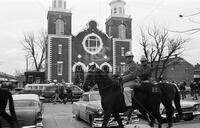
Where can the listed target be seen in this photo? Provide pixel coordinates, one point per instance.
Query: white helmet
(143, 58)
(129, 53)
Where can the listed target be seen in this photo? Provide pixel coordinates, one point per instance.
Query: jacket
(145, 72)
(131, 73)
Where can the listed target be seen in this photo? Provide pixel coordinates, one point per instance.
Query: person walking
(61, 93)
(56, 95)
(182, 89)
(69, 94)
(6, 97)
(129, 81)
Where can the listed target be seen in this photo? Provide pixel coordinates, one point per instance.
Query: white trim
(92, 64)
(70, 59)
(49, 59)
(82, 65)
(59, 36)
(100, 41)
(50, 36)
(118, 39)
(106, 64)
(114, 57)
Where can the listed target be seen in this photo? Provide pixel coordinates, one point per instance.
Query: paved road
(60, 116)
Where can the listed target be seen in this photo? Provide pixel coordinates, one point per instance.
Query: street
(60, 116)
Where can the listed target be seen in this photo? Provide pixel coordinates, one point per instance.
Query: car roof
(26, 97)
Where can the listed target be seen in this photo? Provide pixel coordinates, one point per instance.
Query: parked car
(49, 92)
(35, 88)
(18, 90)
(89, 109)
(29, 111)
(191, 110)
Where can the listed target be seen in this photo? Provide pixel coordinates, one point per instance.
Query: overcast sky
(21, 16)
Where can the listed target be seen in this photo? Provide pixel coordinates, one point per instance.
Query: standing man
(5, 97)
(57, 93)
(145, 70)
(129, 81)
(69, 94)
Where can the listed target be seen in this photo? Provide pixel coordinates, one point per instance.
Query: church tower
(119, 27)
(59, 42)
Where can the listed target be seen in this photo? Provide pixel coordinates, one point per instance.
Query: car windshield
(25, 103)
(95, 97)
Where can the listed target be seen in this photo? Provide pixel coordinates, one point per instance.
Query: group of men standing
(63, 94)
(133, 76)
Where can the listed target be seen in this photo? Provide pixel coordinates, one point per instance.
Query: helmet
(143, 58)
(129, 53)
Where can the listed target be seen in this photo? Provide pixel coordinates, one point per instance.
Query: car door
(84, 103)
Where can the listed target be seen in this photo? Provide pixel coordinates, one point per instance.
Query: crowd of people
(63, 94)
(194, 89)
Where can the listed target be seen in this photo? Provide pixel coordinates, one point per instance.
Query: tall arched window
(60, 27)
(122, 31)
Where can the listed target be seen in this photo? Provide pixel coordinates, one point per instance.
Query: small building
(37, 77)
(8, 81)
(179, 70)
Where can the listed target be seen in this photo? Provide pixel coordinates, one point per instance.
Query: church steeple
(117, 7)
(59, 5)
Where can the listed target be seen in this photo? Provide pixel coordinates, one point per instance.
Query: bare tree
(35, 47)
(159, 47)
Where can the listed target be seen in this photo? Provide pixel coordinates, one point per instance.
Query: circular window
(92, 43)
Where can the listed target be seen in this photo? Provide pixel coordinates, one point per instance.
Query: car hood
(186, 104)
(95, 103)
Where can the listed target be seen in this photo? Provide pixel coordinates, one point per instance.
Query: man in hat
(129, 81)
(144, 70)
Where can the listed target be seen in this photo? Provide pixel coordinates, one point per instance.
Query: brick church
(68, 56)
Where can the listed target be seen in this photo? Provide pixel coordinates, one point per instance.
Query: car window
(40, 87)
(29, 87)
(75, 88)
(85, 98)
(95, 97)
(35, 87)
(25, 103)
(53, 88)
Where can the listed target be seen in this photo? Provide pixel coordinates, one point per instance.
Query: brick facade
(90, 46)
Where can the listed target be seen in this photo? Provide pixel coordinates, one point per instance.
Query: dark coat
(6, 96)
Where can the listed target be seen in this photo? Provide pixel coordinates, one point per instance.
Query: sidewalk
(188, 124)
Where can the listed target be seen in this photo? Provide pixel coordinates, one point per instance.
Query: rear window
(95, 97)
(25, 103)
(52, 88)
(74, 88)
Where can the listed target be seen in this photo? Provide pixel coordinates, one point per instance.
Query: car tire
(77, 117)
